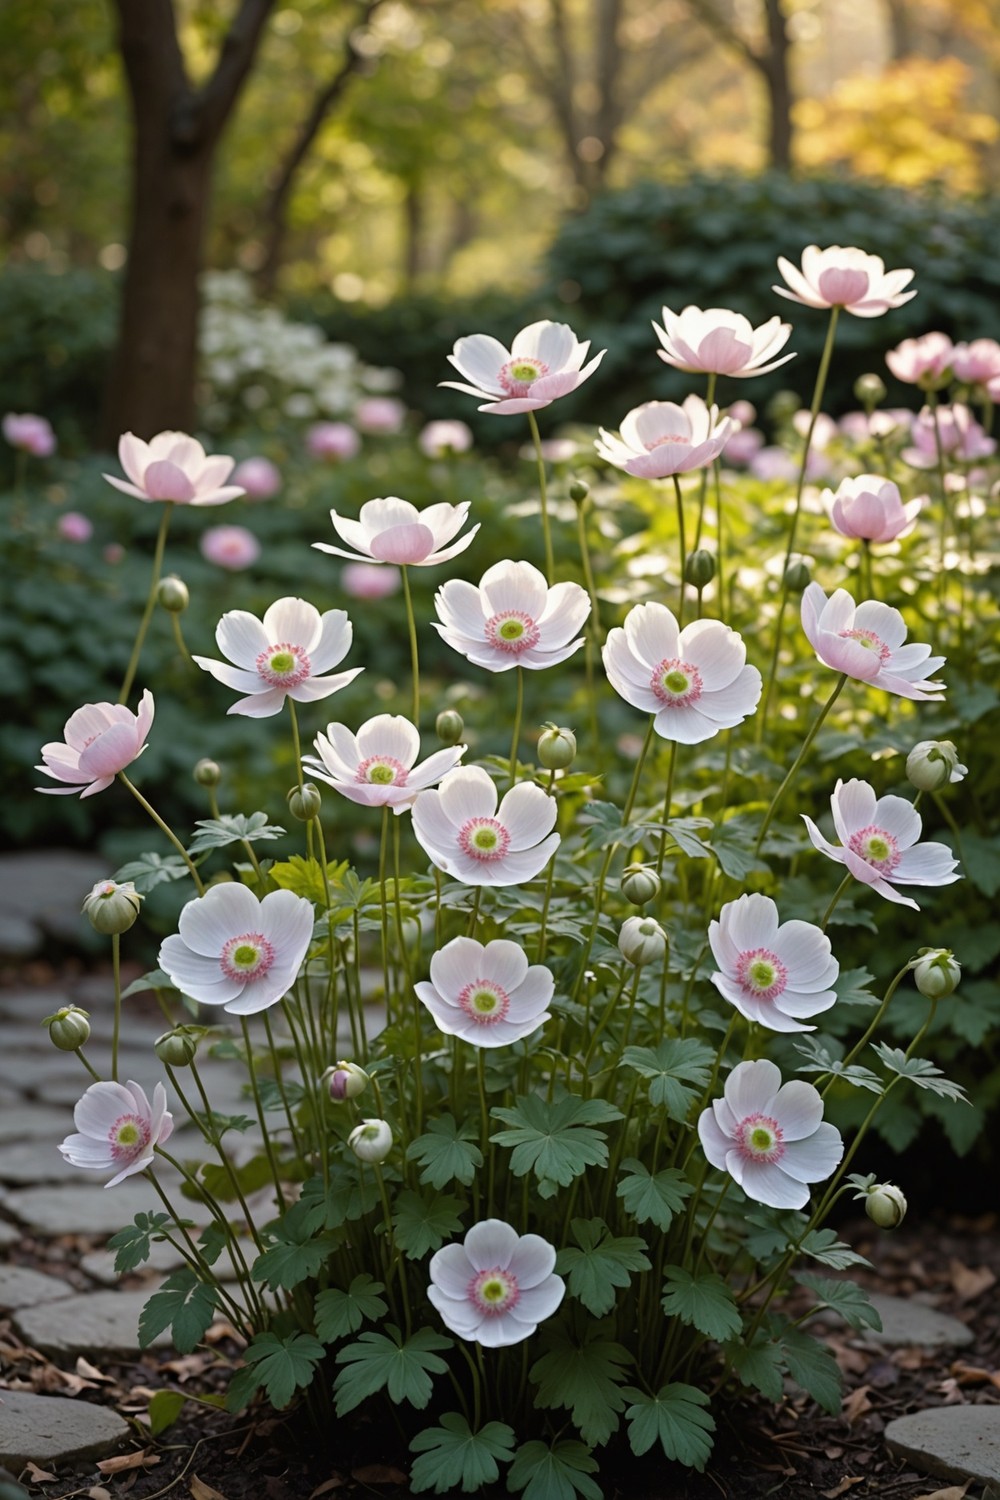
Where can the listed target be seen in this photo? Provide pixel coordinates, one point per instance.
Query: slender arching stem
(147, 807)
(518, 712)
(147, 614)
(682, 545)
(550, 567)
(790, 776)
(703, 491)
(411, 626)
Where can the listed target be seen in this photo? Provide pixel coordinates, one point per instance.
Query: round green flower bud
(207, 773)
(345, 1081)
(172, 594)
(640, 884)
(936, 973)
(934, 764)
(69, 1028)
(699, 569)
(556, 748)
(450, 726)
(579, 490)
(305, 802)
(870, 391)
(371, 1140)
(797, 577)
(783, 405)
(177, 1048)
(642, 941)
(885, 1205)
(112, 907)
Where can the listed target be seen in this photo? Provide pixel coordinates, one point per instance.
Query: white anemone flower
(543, 363)
(720, 342)
(696, 680)
(233, 950)
(512, 619)
(843, 276)
(867, 641)
(770, 1137)
(174, 467)
(487, 995)
(391, 530)
(879, 842)
(468, 836)
(775, 974)
(281, 656)
(661, 438)
(118, 1130)
(497, 1286)
(376, 767)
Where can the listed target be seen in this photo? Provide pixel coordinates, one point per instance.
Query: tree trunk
(774, 66)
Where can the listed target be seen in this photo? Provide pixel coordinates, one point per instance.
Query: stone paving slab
(955, 1442)
(94, 1324)
(26, 1162)
(9, 1234)
(46, 1430)
(906, 1323)
(85, 1207)
(22, 1287)
(100, 1264)
(45, 890)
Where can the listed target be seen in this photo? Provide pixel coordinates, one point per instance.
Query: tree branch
(709, 16)
(201, 114)
(151, 54)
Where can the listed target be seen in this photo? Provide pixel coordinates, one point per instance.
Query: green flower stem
(668, 797)
(859, 1047)
(255, 1089)
(418, 1015)
(116, 970)
(549, 877)
(394, 1257)
(609, 1011)
(484, 1144)
(790, 776)
(842, 887)
(199, 885)
(477, 1388)
(88, 1065)
(411, 626)
(518, 713)
(704, 1237)
(218, 1213)
(703, 493)
(683, 548)
(358, 993)
(550, 567)
(179, 640)
(147, 614)
(946, 813)
(474, 918)
(585, 563)
(215, 1137)
(941, 468)
(383, 854)
(720, 551)
(306, 1071)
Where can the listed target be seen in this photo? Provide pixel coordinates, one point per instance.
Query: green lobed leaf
(554, 1140)
(446, 1153)
(676, 1418)
(251, 1176)
(704, 1302)
(183, 1304)
(340, 1313)
(852, 987)
(232, 828)
(294, 1255)
(134, 1243)
(652, 1199)
(304, 877)
(453, 1457)
(584, 1377)
(164, 1409)
(824, 1246)
(845, 1297)
(423, 1222)
(558, 1473)
(678, 1071)
(921, 1071)
(601, 1266)
(759, 1365)
(151, 870)
(812, 1366)
(385, 1361)
(279, 1366)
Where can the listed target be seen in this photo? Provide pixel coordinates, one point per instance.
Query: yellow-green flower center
(521, 370)
(282, 662)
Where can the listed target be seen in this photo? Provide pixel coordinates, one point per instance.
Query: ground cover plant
(549, 1104)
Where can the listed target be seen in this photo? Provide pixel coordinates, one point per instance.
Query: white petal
(490, 1243)
(504, 962)
(225, 911)
(294, 622)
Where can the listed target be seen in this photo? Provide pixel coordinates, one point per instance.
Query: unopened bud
(450, 726)
(172, 594)
(699, 569)
(783, 405)
(797, 577)
(642, 941)
(933, 764)
(936, 973)
(556, 748)
(579, 490)
(870, 391)
(345, 1081)
(178, 1048)
(371, 1140)
(885, 1205)
(640, 884)
(69, 1028)
(112, 907)
(207, 773)
(304, 802)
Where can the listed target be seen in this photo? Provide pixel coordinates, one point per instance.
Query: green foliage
(232, 828)
(675, 1418)
(453, 1457)
(555, 1140)
(602, 1265)
(183, 1304)
(341, 1313)
(704, 1301)
(294, 1254)
(652, 1198)
(583, 1374)
(275, 1365)
(386, 1361)
(759, 1365)
(164, 1409)
(422, 1222)
(921, 1071)
(559, 1472)
(678, 1071)
(846, 1298)
(813, 1367)
(446, 1152)
(133, 1244)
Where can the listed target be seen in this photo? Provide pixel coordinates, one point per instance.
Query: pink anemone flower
(281, 656)
(543, 363)
(769, 1136)
(391, 530)
(174, 467)
(101, 739)
(332, 441)
(497, 1286)
(844, 277)
(925, 361)
(30, 434)
(870, 509)
(721, 342)
(231, 547)
(259, 478)
(879, 842)
(978, 362)
(376, 767)
(775, 974)
(234, 950)
(118, 1131)
(512, 619)
(660, 438)
(440, 439)
(962, 438)
(487, 995)
(464, 832)
(867, 642)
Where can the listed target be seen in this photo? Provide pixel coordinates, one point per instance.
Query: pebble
(47, 1430)
(22, 1287)
(955, 1442)
(909, 1324)
(98, 1325)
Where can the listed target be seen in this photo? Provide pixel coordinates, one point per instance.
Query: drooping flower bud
(870, 391)
(797, 576)
(642, 941)
(556, 748)
(178, 1048)
(345, 1081)
(304, 802)
(936, 973)
(579, 490)
(172, 594)
(640, 884)
(450, 726)
(699, 570)
(933, 764)
(371, 1140)
(112, 907)
(207, 773)
(69, 1028)
(885, 1205)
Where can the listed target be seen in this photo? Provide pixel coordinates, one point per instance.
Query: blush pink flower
(870, 509)
(879, 842)
(361, 580)
(101, 739)
(380, 415)
(777, 975)
(512, 619)
(118, 1131)
(962, 439)
(230, 547)
(72, 526)
(259, 478)
(925, 361)
(497, 1286)
(743, 446)
(236, 951)
(661, 438)
(978, 362)
(391, 530)
(439, 439)
(721, 342)
(332, 441)
(844, 277)
(377, 766)
(487, 995)
(770, 1137)
(173, 467)
(464, 832)
(281, 656)
(29, 434)
(867, 641)
(543, 363)
(695, 681)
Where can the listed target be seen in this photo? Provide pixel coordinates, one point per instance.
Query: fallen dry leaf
(75, 1383)
(974, 1374)
(202, 1491)
(325, 1488)
(856, 1404)
(98, 1492)
(91, 1372)
(842, 1487)
(379, 1474)
(968, 1282)
(125, 1461)
(953, 1492)
(40, 1476)
(951, 1391)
